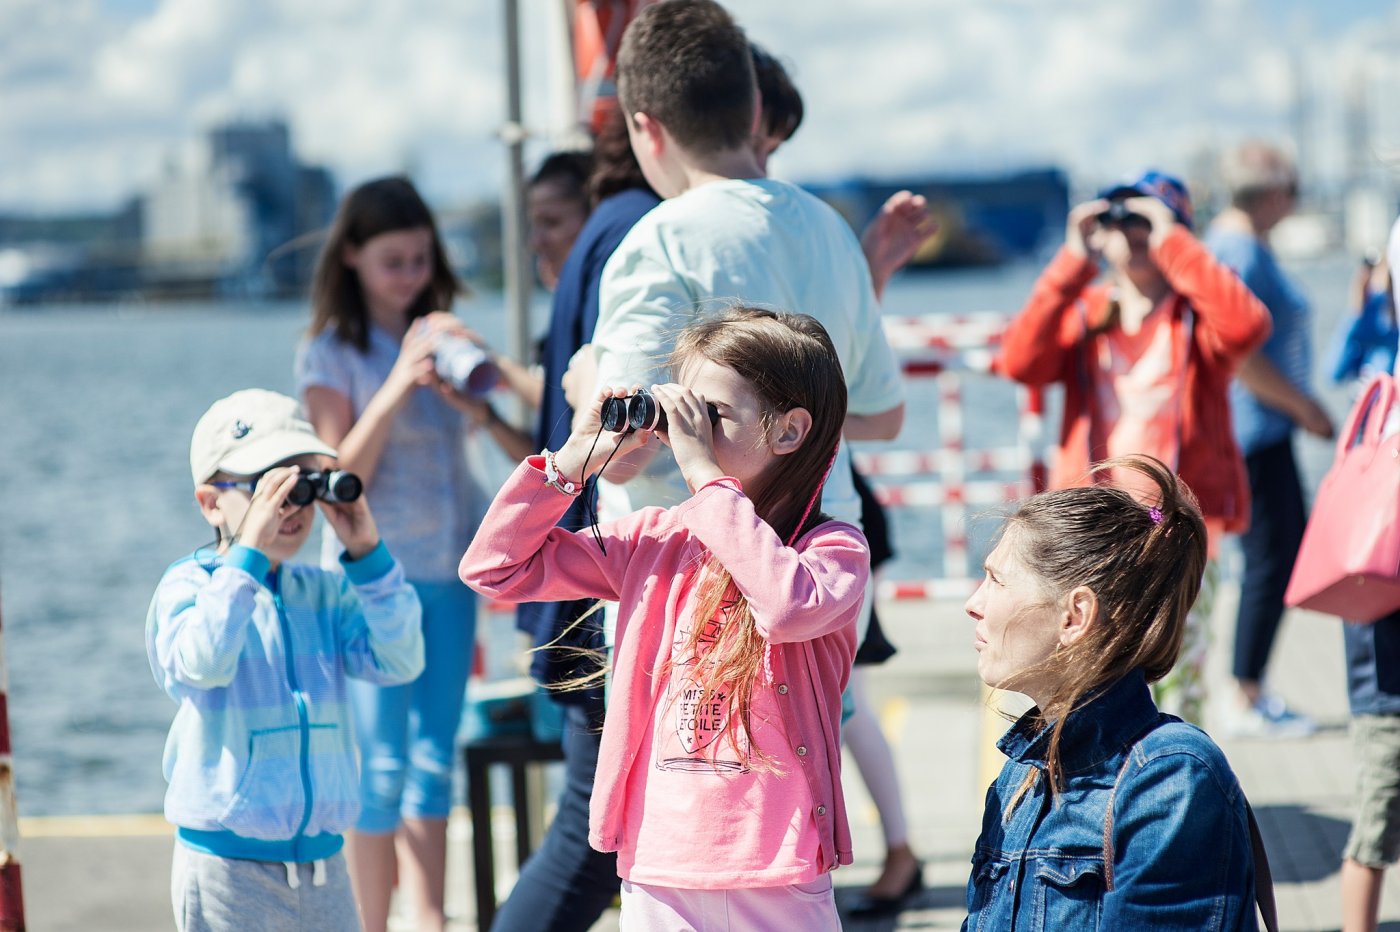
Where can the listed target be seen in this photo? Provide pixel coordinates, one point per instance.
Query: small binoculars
(639, 412)
(1118, 215)
(333, 485)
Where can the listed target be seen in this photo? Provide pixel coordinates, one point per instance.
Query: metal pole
(11, 893)
(518, 282)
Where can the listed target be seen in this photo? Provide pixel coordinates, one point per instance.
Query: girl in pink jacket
(718, 779)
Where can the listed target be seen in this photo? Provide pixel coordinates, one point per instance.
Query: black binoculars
(639, 412)
(1118, 215)
(332, 485)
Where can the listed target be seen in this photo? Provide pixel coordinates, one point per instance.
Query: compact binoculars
(1118, 215)
(639, 412)
(332, 485)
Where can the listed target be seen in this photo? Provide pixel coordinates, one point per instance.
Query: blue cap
(1163, 187)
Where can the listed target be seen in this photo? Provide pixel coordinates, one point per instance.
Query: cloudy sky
(97, 96)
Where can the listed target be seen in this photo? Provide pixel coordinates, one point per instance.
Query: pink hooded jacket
(805, 601)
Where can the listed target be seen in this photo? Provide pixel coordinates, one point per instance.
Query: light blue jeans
(407, 734)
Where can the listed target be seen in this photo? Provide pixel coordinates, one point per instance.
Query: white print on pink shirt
(691, 723)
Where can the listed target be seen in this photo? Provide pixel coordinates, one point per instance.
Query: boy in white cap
(256, 651)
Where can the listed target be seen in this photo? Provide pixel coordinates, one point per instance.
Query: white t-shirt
(759, 243)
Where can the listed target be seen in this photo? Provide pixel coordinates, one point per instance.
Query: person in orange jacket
(1145, 359)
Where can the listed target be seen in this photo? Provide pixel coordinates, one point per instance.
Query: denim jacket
(1150, 831)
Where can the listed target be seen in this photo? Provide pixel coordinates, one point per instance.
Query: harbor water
(96, 408)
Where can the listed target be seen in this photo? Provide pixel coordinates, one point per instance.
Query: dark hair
(686, 64)
(615, 167)
(790, 362)
(780, 104)
(1144, 564)
(385, 205)
(568, 170)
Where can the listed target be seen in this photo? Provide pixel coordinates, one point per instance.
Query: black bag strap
(1263, 877)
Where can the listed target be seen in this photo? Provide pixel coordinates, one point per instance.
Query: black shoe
(868, 905)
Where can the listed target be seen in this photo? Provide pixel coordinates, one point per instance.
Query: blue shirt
(1289, 346)
(1149, 831)
(573, 315)
(1367, 346)
(1373, 666)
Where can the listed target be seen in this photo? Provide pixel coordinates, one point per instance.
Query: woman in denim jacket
(1108, 813)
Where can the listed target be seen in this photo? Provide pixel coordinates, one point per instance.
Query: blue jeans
(566, 885)
(407, 734)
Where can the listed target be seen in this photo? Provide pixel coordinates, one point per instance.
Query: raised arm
(381, 630)
(1231, 322)
(198, 621)
(796, 595)
(1036, 346)
(894, 236)
(519, 555)
(325, 394)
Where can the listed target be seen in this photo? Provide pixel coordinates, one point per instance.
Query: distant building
(227, 220)
(73, 257)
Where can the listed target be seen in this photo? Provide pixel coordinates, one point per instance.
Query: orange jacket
(1048, 342)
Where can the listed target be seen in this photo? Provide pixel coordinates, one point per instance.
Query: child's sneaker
(1268, 717)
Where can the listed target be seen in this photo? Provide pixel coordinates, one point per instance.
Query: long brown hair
(1143, 562)
(790, 362)
(385, 205)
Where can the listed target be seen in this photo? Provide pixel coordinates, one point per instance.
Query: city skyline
(101, 96)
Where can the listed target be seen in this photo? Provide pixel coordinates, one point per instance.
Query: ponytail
(1143, 559)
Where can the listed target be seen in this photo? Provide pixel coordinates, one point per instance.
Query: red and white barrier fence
(950, 476)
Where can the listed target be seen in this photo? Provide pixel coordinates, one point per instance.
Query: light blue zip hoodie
(261, 756)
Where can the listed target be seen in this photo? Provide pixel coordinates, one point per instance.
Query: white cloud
(93, 102)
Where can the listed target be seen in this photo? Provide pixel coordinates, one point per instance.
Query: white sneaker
(1268, 717)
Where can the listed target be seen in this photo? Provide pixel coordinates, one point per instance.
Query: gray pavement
(113, 874)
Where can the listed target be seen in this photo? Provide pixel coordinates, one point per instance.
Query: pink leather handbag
(1349, 561)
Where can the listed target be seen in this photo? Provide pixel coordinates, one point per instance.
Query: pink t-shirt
(701, 773)
(1138, 392)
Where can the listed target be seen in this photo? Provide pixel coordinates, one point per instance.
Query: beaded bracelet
(552, 477)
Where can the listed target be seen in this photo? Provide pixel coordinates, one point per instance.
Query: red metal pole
(11, 892)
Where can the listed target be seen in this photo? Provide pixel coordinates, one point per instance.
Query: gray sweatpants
(213, 894)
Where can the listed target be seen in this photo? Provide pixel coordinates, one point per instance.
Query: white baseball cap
(248, 432)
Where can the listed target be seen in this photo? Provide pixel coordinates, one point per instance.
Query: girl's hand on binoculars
(571, 458)
(268, 508)
(353, 524)
(688, 433)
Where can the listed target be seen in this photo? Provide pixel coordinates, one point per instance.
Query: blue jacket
(573, 315)
(261, 756)
(1150, 832)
